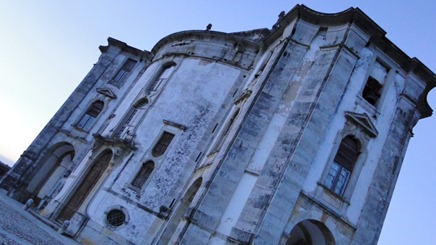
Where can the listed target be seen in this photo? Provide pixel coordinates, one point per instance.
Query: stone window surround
(340, 202)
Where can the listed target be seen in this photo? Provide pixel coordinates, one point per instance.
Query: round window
(116, 217)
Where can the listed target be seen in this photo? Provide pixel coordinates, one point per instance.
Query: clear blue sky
(47, 47)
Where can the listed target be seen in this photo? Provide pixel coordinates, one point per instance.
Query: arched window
(91, 114)
(143, 174)
(343, 165)
(162, 76)
(132, 118)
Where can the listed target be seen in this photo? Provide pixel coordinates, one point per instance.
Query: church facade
(289, 135)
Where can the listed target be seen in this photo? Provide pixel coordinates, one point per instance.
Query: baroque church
(289, 135)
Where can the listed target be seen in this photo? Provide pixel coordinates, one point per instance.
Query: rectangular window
(374, 85)
(162, 145)
(372, 91)
(85, 122)
(143, 174)
(90, 115)
(337, 178)
(121, 76)
(343, 165)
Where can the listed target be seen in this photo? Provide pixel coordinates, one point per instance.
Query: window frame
(157, 81)
(162, 145)
(345, 160)
(131, 119)
(336, 184)
(88, 119)
(148, 165)
(121, 76)
(372, 87)
(381, 83)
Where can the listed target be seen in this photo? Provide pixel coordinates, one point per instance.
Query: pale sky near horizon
(47, 48)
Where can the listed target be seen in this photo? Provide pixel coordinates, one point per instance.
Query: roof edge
(124, 47)
(236, 36)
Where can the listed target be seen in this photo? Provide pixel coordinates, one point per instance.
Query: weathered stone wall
(30, 162)
(197, 95)
(257, 119)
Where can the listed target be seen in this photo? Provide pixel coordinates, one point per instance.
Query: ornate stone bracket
(119, 147)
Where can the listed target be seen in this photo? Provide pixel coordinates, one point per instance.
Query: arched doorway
(50, 169)
(85, 186)
(310, 232)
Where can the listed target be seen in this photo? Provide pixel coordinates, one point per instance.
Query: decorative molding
(122, 144)
(106, 92)
(364, 121)
(29, 154)
(176, 125)
(328, 210)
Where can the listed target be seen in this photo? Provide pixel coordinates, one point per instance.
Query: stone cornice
(125, 48)
(239, 37)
